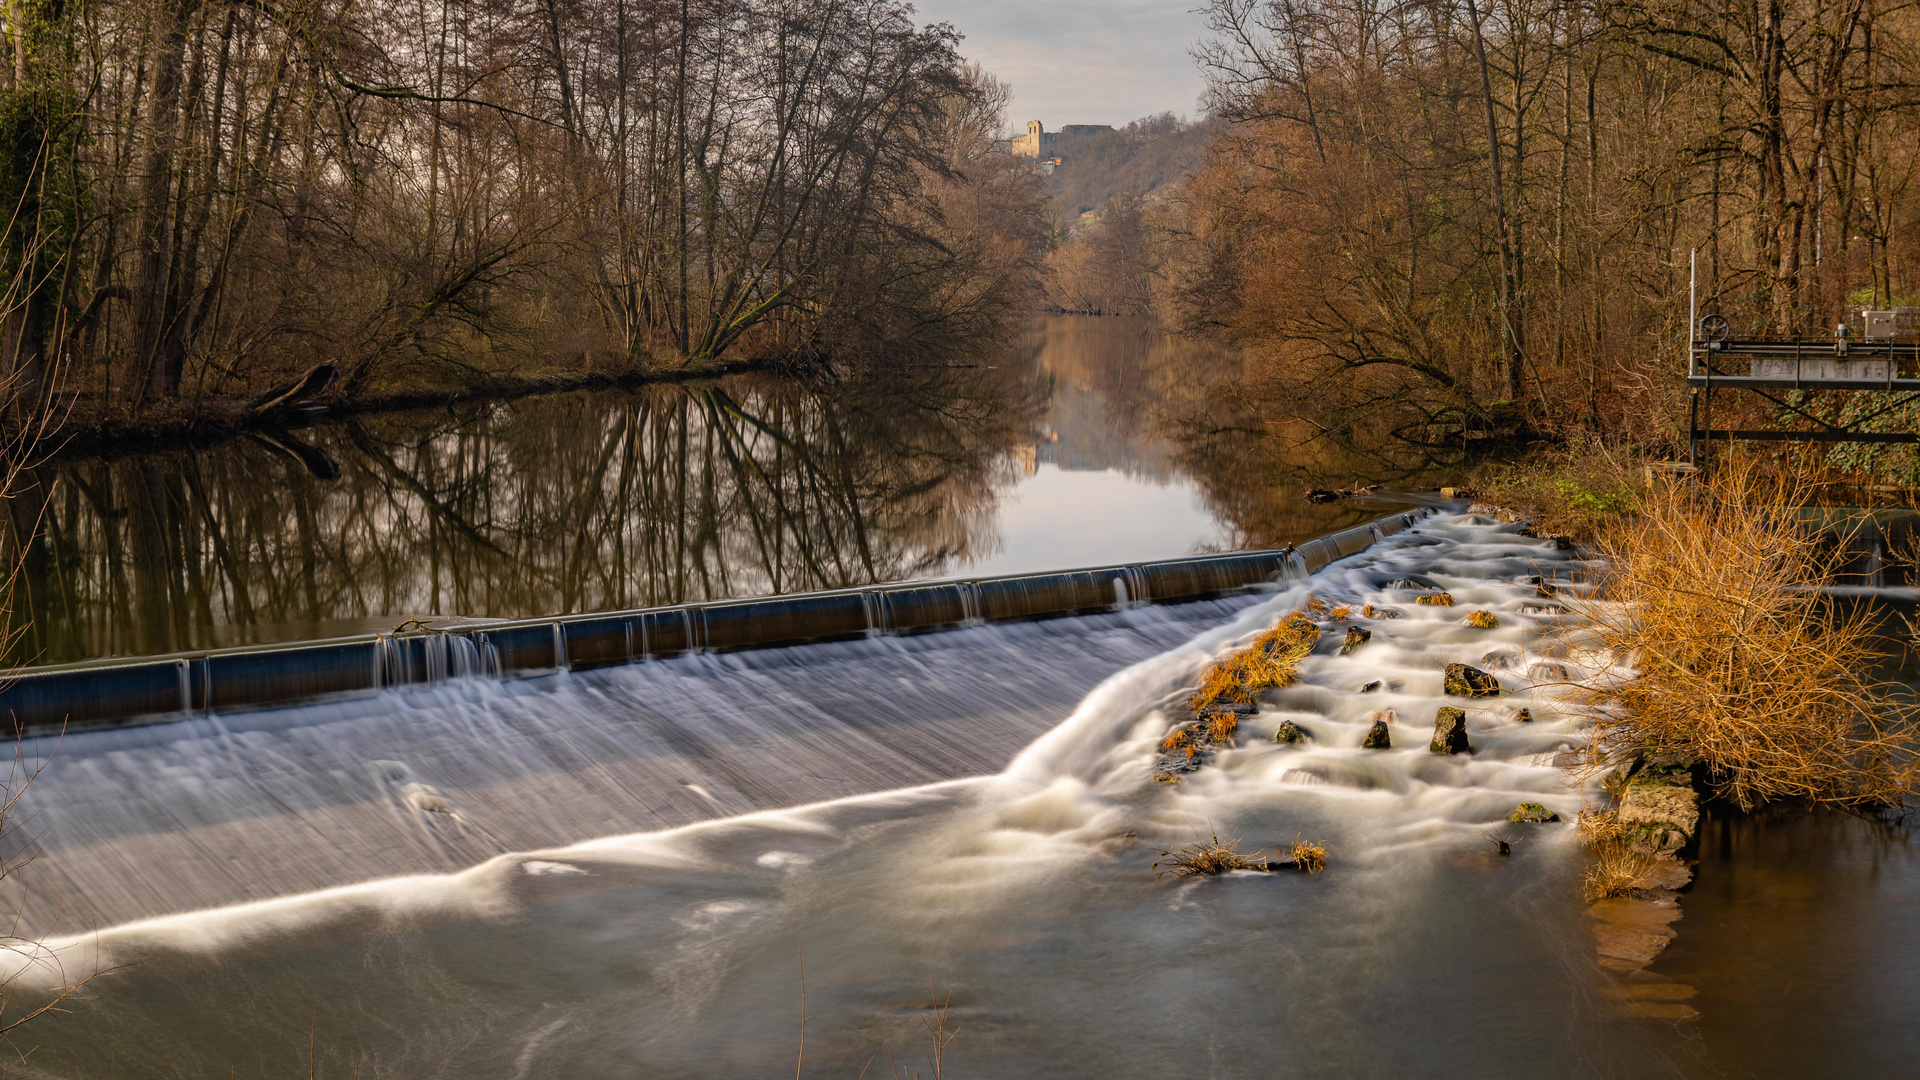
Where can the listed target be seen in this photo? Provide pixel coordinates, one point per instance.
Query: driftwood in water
(316, 379)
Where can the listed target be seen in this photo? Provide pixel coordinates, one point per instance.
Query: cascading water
(1026, 896)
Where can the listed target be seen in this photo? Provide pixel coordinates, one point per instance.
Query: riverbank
(208, 421)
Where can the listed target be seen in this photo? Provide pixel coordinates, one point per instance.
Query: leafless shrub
(1712, 592)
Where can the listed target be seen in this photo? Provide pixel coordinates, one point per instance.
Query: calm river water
(1060, 453)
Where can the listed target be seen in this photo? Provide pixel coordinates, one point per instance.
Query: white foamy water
(1026, 895)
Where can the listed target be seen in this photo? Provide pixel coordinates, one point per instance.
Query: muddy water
(1801, 936)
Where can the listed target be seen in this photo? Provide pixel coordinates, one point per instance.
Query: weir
(104, 694)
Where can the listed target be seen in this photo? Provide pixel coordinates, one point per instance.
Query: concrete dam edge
(46, 701)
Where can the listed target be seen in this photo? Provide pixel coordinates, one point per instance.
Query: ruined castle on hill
(1040, 143)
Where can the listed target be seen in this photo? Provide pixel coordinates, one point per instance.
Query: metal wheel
(1715, 328)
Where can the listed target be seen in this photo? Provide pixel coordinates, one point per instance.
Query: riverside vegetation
(1734, 665)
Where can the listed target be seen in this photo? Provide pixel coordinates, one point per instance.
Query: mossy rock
(1470, 682)
(1378, 737)
(1289, 732)
(1356, 637)
(1371, 687)
(1450, 732)
(1483, 620)
(1532, 811)
(1438, 599)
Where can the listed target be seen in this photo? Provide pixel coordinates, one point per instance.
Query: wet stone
(1378, 737)
(1470, 682)
(1524, 716)
(1289, 732)
(1532, 812)
(1356, 637)
(1370, 687)
(1660, 809)
(1502, 659)
(1450, 732)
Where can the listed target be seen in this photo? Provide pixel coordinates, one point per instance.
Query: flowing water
(1024, 899)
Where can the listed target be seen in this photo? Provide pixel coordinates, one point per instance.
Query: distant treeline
(1100, 262)
(1443, 217)
(208, 196)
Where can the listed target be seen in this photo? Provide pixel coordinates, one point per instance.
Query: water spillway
(621, 872)
(43, 701)
(607, 873)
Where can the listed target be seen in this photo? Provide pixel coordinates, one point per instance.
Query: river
(1058, 453)
(630, 872)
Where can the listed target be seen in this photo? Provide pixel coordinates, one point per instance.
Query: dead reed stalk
(1711, 592)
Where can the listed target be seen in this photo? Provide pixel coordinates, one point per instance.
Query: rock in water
(1356, 637)
(1532, 811)
(1289, 732)
(1370, 687)
(1524, 716)
(1378, 737)
(1450, 732)
(1660, 808)
(1470, 682)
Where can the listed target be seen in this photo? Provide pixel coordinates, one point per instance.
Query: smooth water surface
(1051, 456)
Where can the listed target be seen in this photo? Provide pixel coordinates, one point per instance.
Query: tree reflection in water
(578, 502)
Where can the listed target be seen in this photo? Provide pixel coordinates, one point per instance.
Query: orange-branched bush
(1711, 592)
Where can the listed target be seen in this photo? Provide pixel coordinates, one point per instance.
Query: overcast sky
(1082, 61)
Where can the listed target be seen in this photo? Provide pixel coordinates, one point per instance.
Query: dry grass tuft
(1438, 599)
(1367, 611)
(1178, 740)
(1268, 662)
(1308, 855)
(1222, 725)
(1344, 611)
(1483, 620)
(1618, 868)
(1711, 591)
(1208, 858)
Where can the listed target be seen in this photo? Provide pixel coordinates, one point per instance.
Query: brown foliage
(1268, 662)
(1712, 592)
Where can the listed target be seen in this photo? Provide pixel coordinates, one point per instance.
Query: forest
(210, 197)
(1449, 218)
(1441, 220)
